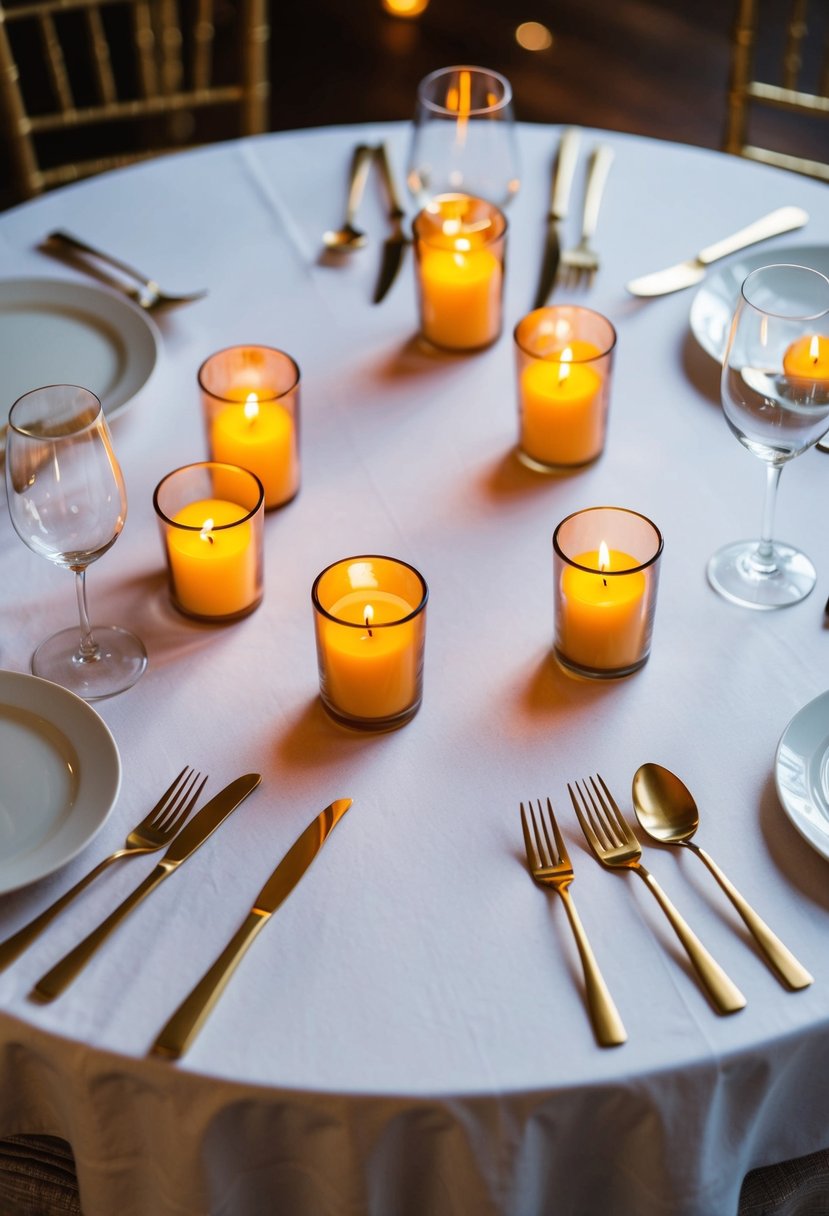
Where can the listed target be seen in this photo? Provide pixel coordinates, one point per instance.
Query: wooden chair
(800, 85)
(87, 85)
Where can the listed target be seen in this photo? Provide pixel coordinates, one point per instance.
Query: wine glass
(775, 397)
(463, 139)
(67, 502)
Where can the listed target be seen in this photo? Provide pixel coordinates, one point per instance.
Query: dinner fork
(616, 847)
(148, 294)
(580, 263)
(550, 866)
(153, 832)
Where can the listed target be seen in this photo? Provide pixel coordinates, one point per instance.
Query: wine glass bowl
(463, 137)
(775, 399)
(68, 503)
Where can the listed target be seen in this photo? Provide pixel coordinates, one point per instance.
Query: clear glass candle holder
(460, 243)
(370, 623)
(463, 136)
(211, 518)
(564, 367)
(250, 398)
(605, 574)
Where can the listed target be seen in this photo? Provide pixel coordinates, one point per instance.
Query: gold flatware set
(667, 813)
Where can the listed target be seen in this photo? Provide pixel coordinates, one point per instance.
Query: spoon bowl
(666, 811)
(341, 240)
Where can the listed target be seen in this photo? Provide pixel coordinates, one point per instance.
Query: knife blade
(201, 826)
(183, 1026)
(563, 174)
(395, 244)
(686, 274)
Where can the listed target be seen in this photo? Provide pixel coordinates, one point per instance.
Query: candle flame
(604, 557)
(206, 533)
(814, 348)
(252, 407)
(563, 372)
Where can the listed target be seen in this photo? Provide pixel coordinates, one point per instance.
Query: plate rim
(114, 300)
(818, 838)
(775, 253)
(19, 690)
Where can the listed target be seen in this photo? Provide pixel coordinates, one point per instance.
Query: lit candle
(808, 358)
(250, 398)
(602, 610)
(369, 615)
(260, 436)
(562, 408)
(213, 567)
(460, 272)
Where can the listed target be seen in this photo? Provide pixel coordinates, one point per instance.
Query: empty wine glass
(67, 502)
(775, 397)
(463, 139)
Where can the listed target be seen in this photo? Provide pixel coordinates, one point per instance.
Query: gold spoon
(342, 240)
(666, 810)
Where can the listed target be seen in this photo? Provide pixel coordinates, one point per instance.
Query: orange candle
(808, 358)
(602, 610)
(259, 436)
(213, 567)
(562, 408)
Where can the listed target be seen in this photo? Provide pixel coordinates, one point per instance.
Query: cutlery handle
(396, 209)
(607, 1025)
(61, 237)
(780, 958)
(179, 1032)
(600, 164)
(784, 219)
(565, 171)
(357, 177)
(54, 982)
(14, 946)
(725, 995)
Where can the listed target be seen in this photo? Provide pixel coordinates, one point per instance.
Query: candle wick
(604, 582)
(368, 627)
(209, 538)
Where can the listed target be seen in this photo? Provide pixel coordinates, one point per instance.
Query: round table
(409, 1034)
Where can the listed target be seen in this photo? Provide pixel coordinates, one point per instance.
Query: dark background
(651, 67)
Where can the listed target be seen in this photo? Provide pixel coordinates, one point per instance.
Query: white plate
(60, 773)
(53, 331)
(714, 303)
(801, 772)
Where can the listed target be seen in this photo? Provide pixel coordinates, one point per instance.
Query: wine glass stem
(88, 649)
(764, 556)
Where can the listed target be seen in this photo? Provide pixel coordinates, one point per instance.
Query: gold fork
(581, 262)
(616, 847)
(154, 831)
(550, 866)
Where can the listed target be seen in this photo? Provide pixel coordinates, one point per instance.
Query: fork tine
(185, 805)
(586, 824)
(551, 852)
(170, 793)
(603, 815)
(532, 857)
(563, 855)
(543, 853)
(624, 827)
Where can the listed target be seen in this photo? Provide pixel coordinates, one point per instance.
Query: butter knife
(395, 244)
(200, 827)
(686, 274)
(563, 174)
(179, 1032)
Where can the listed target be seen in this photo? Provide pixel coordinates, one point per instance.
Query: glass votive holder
(459, 250)
(250, 398)
(211, 518)
(564, 365)
(605, 573)
(370, 624)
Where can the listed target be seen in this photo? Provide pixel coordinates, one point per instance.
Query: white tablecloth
(409, 1035)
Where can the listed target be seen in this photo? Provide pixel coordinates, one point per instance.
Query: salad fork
(154, 831)
(580, 263)
(614, 844)
(550, 866)
(147, 293)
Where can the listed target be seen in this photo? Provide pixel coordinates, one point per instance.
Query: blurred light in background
(533, 36)
(405, 8)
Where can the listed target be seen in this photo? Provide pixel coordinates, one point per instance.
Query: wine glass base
(737, 573)
(120, 661)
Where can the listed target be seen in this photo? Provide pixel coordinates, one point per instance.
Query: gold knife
(687, 274)
(200, 827)
(179, 1032)
(396, 242)
(563, 174)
